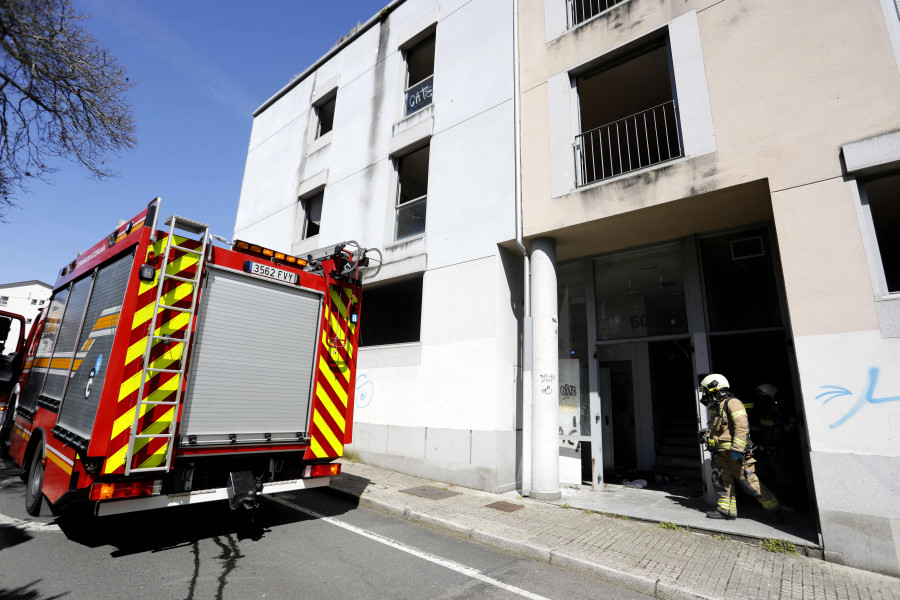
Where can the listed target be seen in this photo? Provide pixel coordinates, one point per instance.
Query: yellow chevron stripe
(329, 435)
(117, 459)
(133, 383)
(322, 395)
(317, 450)
(341, 394)
(155, 459)
(337, 298)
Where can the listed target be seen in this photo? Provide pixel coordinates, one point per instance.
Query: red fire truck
(168, 370)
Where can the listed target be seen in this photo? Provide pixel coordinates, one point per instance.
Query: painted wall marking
(867, 397)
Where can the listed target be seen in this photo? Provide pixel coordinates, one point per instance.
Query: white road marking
(449, 564)
(27, 525)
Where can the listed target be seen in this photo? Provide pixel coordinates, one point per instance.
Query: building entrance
(657, 319)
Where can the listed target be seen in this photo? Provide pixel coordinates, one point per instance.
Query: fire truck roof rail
(188, 225)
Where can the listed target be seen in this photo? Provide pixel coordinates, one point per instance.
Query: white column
(545, 372)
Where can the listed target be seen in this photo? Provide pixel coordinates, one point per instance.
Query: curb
(642, 584)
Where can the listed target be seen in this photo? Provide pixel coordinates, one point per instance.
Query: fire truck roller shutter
(79, 407)
(41, 365)
(252, 363)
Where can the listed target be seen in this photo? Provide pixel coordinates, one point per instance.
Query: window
(42, 302)
(419, 75)
(325, 116)
(28, 321)
(33, 301)
(312, 209)
(629, 115)
(882, 195)
(412, 193)
(582, 10)
(4, 300)
(391, 314)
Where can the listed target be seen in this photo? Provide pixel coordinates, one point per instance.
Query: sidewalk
(645, 557)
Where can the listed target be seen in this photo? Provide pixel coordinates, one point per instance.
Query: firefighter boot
(714, 514)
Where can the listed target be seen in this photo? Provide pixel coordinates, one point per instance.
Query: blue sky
(201, 68)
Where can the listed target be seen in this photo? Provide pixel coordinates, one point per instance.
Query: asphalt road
(309, 544)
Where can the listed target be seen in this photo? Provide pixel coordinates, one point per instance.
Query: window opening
(419, 75)
(4, 300)
(883, 197)
(325, 116)
(629, 116)
(412, 193)
(312, 208)
(583, 10)
(392, 314)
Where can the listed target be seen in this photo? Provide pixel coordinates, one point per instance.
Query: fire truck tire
(34, 497)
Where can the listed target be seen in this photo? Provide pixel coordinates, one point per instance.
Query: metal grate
(583, 10)
(637, 141)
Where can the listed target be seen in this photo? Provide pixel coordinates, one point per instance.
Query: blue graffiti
(836, 391)
(365, 391)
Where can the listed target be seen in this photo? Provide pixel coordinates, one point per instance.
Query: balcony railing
(637, 141)
(582, 10)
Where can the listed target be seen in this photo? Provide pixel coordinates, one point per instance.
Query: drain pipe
(526, 312)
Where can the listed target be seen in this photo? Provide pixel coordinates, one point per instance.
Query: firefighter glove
(737, 456)
(703, 437)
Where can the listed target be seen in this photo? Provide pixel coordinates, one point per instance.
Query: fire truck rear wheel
(33, 495)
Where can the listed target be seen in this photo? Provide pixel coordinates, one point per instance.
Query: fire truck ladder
(145, 404)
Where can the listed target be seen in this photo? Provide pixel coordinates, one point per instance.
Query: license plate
(270, 272)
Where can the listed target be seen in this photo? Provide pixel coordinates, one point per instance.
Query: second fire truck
(168, 370)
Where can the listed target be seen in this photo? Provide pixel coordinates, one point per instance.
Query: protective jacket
(729, 428)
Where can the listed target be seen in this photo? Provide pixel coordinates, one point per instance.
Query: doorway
(659, 318)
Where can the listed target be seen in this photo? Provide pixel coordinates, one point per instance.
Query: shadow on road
(26, 593)
(164, 529)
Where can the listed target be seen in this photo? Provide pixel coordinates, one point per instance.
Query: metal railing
(582, 10)
(637, 141)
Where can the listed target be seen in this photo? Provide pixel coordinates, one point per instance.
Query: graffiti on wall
(365, 391)
(867, 397)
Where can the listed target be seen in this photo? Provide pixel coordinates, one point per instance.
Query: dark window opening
(412, 195)
(883, 196)
(325, 115)
(312, 208)
(419, 75)
(391, 314)
(629, 117)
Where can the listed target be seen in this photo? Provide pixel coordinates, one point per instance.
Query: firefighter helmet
(714, 382)
(768, 390)
(713, 385)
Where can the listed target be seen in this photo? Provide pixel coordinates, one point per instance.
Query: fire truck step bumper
(117, 507)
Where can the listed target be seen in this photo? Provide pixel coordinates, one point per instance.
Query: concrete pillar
(545, 372)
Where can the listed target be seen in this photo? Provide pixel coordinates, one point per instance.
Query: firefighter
(728, 439)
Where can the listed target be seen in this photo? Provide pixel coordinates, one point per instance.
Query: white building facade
(402, 138)
(24, 298)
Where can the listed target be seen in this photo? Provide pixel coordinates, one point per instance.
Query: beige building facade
(719, 184)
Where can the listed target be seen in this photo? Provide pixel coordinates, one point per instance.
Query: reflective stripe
(767, 422)
(749, 405)
(740, 413)
(739, 444)
(771, 504)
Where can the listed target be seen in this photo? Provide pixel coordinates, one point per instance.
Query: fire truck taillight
(322, 470)
(125, 489)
